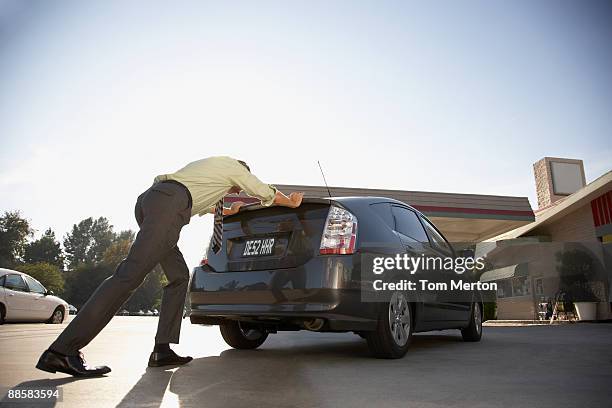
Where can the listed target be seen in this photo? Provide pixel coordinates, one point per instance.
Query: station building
(571, 236)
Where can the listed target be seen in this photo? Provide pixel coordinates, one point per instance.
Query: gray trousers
(161, 213)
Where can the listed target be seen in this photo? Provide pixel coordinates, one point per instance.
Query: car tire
(57, 317)
(393, 333)
(2, 313)
(240, 337)
(473, 332)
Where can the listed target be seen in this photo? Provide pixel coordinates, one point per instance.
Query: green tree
(49, 275)
(88, 241)
(116, 252)
(45, 249)
(119, 248)
(148, 295)
(126, 235)
(83, 281)
(14, 231)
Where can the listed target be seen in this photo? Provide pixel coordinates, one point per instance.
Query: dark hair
(245, 165)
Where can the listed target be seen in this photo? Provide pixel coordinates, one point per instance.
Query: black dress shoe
(50, 361)
(167, 358)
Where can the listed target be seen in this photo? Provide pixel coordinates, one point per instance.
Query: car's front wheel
(57, 317)
(241, 335)
(394, 330)
(473, 332)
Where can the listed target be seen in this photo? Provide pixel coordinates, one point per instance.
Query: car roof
(367, 200)
(341, 200)
(372, 200)
(4, 271)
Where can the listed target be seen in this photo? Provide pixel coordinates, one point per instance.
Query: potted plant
(577, 274)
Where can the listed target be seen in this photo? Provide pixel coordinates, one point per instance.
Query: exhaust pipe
(314, 324)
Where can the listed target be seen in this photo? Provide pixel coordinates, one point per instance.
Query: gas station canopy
(460, 217)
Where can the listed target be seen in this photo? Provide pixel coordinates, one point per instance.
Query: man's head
(245, 165)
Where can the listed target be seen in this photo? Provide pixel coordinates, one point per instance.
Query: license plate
(258, 247)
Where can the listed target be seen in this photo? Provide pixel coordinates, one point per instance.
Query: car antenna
(324, 180)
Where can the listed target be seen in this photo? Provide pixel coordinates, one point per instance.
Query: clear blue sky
(96, 98)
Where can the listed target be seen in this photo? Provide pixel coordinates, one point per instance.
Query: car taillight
(340, 232)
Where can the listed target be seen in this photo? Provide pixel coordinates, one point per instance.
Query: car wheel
(57, 317)
(474, 330)
(2, 313)
(242, 336)
(393, 333)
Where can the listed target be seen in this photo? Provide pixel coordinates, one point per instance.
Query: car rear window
(34, 285)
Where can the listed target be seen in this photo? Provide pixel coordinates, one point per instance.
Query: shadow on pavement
(271, 377)
(297, 375)
(238, 378)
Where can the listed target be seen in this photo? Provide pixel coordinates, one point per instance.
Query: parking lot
(558, 366)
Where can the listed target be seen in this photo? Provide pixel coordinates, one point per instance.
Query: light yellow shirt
(208, 180)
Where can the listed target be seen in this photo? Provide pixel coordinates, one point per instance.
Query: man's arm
(294, 200)
(268, 194)
(235, 207)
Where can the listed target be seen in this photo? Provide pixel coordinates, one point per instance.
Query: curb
(518, 323)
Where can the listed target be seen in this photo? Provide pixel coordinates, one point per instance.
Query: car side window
(15, 282)
(384, 212)
(437, 240)
(2, 281)
(35, 286)
(407, 223)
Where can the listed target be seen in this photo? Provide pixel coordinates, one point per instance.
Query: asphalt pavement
(536, 366)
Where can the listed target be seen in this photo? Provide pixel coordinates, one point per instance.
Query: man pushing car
(161, 213)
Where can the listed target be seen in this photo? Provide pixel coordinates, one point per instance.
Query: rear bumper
(324, 288)
(282, 321)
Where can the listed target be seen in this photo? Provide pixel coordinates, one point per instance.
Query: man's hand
(296, 199)
(235, 207)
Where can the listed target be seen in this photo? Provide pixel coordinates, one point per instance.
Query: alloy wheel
(399, 318)
(57, 317)
(477, 318)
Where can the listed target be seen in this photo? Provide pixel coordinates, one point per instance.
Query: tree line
(73, 269)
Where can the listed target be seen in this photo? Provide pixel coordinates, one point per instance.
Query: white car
(23, 298)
